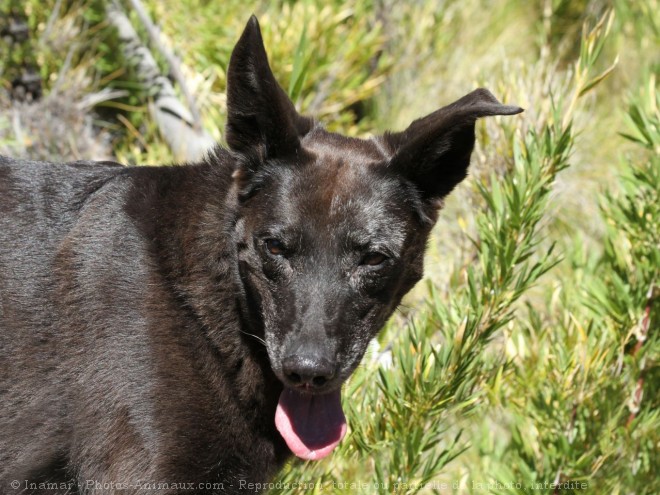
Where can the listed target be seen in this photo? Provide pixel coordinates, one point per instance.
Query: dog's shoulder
(27, 182)
(8, 164)
(42, 203)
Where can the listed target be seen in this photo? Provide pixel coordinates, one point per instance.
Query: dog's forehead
(339, 188)
(344, 205)
(329, 144)
(345, 176)
(344, 186)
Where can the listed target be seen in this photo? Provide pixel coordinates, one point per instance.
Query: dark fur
(133, 300)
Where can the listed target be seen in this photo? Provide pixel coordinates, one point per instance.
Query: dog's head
(332, 229)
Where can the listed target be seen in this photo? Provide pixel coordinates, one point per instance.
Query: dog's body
(103, 361)
(189, 327)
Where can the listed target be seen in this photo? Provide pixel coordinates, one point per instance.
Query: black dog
(187, 328)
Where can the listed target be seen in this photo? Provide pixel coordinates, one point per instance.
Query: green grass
(516, 364)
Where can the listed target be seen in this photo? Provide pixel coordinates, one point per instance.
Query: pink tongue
(311, 425)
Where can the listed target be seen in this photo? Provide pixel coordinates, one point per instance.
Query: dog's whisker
(255, 336)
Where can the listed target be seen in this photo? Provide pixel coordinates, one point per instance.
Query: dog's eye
(373, 259)
(275, 247)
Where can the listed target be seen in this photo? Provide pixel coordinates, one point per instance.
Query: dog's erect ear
(260, 114)
(434, 151)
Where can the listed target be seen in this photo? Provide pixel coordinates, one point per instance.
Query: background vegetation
(527, 361)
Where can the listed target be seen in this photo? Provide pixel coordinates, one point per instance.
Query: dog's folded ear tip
(513, 109)
(484, 98)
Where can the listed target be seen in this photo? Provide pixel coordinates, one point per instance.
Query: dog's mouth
(312, 425)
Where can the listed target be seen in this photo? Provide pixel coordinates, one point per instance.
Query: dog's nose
(314, 371)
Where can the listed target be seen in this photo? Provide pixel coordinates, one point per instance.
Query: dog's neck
(193, 233)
